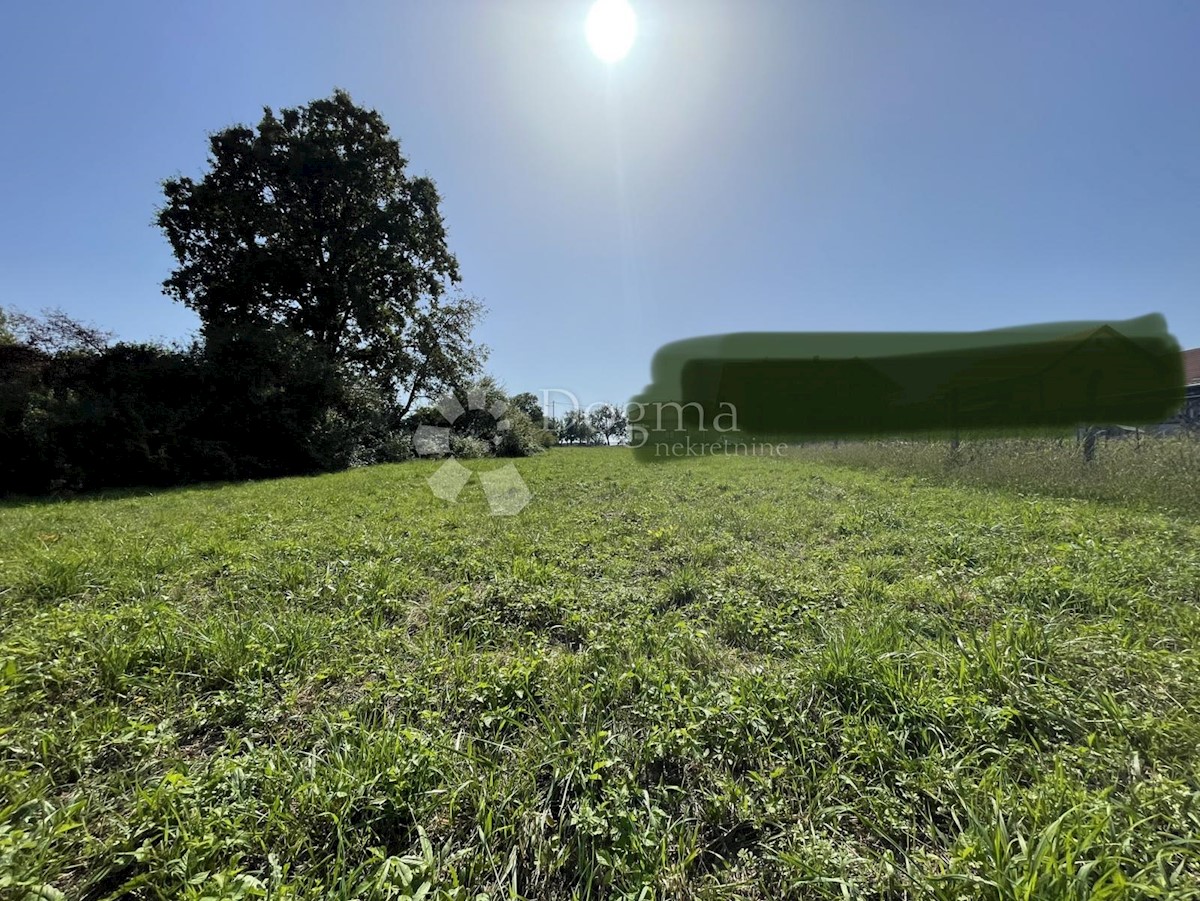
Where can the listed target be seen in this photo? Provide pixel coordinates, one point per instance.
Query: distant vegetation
(329, 314)
(599, 424)
(724, 678)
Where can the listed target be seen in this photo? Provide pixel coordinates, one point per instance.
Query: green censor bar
(731, 393)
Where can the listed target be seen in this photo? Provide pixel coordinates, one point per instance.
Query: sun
(611, 27)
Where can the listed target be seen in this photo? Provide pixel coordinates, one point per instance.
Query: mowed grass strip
(714, 678)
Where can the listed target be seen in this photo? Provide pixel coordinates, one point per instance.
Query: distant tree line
(330, 321)
(598, 424)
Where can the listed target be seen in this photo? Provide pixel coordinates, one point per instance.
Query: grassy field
(713, 678)
(1155, 473)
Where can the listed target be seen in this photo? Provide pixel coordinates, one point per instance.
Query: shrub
(468, 447)
(521, 438)
(396, 448)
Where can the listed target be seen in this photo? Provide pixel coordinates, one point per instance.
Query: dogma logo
(506, 492)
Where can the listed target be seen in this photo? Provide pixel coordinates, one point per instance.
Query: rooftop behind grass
(714, 678)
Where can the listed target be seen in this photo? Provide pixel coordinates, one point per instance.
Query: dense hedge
(254, 405)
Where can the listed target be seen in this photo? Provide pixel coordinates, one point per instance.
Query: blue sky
(750, 166)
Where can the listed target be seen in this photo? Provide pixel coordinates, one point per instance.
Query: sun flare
(611, 27)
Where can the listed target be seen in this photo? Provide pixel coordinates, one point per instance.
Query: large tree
(608, 420)
(575, 428)
(528, 403)
(310, 222)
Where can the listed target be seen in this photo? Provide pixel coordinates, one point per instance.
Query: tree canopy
(311, 221)
(329, 307)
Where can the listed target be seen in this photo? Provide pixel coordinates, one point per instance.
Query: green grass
(715, 678)
(1154, 473)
